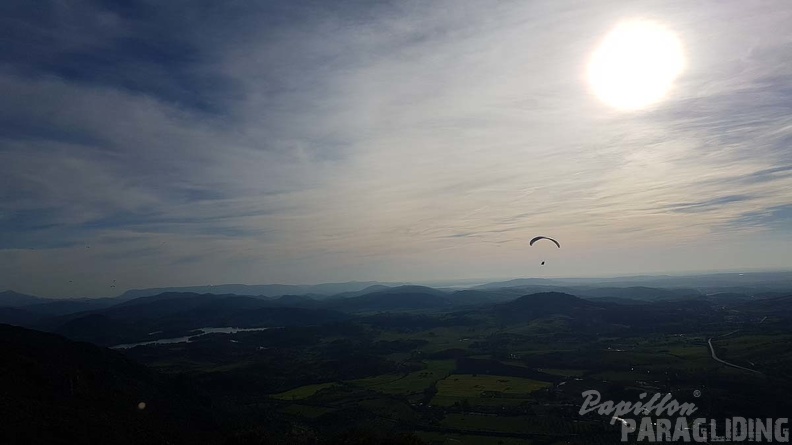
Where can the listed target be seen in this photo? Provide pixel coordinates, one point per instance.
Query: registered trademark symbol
(697, 393)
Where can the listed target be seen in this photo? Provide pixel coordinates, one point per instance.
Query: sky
(150, 144)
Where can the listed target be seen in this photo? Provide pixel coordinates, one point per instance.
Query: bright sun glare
(635, 64)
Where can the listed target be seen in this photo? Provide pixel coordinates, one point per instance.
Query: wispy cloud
(317, 141)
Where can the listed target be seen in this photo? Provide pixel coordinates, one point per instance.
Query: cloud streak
(314, 142)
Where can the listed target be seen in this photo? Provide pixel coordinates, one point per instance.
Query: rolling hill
(57, 391)
(10, 298)
(402, 298)
(175, 314)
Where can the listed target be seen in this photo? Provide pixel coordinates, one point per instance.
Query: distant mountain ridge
(748, 282)
(10, 298)
(704, 282)
(393, 299)
(176, 313)
(269, 290)
(125, 319)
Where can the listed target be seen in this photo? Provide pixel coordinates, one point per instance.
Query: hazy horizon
(460, 283)
(158, 145)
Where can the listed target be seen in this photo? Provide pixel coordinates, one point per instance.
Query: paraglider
(541, 238)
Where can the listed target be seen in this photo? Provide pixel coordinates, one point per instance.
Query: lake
(188, 338)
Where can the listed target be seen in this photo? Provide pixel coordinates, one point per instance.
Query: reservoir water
(188, 338)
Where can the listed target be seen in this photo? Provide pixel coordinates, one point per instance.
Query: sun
(635, 65)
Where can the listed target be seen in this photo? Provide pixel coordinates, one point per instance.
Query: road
(715, 357)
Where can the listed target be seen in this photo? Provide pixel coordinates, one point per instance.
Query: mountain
(352, 286)
(410, 288)
(175, 314)
(773, 307)
(168, 302)
(600, 316)
(25, 310)
(473, 297)
(294, 301)
(402, 298)
(728, 297)
(223, 289)
(616, 300)
(57, 391)
(546, 304)
(642, 293)
(270, 290)
(28, 310)
(368, 290)
(719, 281)
(715, 282)
(517, 282)
(10, 298)
(69, 306)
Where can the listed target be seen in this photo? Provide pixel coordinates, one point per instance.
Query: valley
(413, 362)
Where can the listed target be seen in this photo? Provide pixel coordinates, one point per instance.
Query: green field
(412, 383)
(752, 345)
(302, 392)
(400, 374)
(492, 388)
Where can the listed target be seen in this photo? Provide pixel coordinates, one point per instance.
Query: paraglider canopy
(544, 237)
